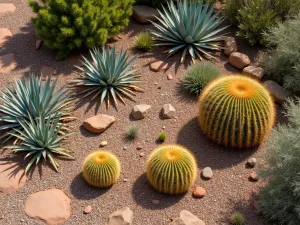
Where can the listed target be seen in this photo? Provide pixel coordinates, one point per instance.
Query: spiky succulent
(32, 100)
(191, 27)
(236, 111)
(41, 139)
(171, 169)
(101, 169)
(108, 75)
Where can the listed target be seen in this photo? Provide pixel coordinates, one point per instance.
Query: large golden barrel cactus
(171, 169)
(236, 111)
(101, 169)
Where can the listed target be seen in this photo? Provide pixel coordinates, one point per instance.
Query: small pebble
(139, 147)
(155, 201)
(159, 87)
(163, 127)
(252, 162)
(22, 220)
(142, 154)
(156, 83)
(103, 143)
(253, 176)
(125, 148)
(87, 209)
(2, 217)
(199, 192)
(170, 77)
(125, 180)
(207, 173)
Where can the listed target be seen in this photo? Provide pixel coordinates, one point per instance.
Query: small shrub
(198, 75)
(144, 41)
(65, 25)
(108, 76)
(42, 139)
(179, 31)
(162, 136)
(236, 111)
(282, 64)
(132, 132)
(237, 218)
(101, 169)
(255, 17)
(280, 198)
(178, 166)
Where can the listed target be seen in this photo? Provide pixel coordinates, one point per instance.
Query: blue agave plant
(108, 76)
(191, 27)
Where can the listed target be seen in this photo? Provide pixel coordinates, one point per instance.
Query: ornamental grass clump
(171, 169)
(236, 111)
(65, 25)
(198, 75)
(132, 132)
(33, 99)
(108, 76)
(101, 169)
(237, 218)
(143, 41)
(280, 198)
(40, 139)
(190, 27)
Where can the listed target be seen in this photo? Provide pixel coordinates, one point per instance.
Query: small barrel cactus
(236, 111)
(101, 169)
(171, 169)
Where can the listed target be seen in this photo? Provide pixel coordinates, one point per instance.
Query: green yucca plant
(41, 140)
(191, 27)
(32, 100)
(236, 111)
(108, 76)
(101, 169)
(144, 41)
(171, 169)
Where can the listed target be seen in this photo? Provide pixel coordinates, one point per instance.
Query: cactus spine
(101, 169)
(171, 169)
(236, 111)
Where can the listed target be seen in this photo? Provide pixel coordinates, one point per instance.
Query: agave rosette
(191, 27)
(108, 75)
(32, 100)
(41, 139)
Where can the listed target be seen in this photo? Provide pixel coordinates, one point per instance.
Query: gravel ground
(228, 191)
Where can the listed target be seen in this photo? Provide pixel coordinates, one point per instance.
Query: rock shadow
(207, 153)
(80, 189)
(143, 193)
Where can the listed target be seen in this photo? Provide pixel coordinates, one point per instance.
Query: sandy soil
(228, 191)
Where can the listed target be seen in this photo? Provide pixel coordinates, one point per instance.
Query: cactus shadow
(80, 189)
(207, 153)
(143, 193)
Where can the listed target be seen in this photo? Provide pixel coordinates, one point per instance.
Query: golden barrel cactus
(171, 169)
(101, 169)
(236, 111)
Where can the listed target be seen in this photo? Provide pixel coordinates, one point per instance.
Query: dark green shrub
(68, 24)
(237, 218)
(198, 75)
(254, 17)
(282, 64)
(280, 198)
(162, 136)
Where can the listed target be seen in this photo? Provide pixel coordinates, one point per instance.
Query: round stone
(51, 206)
(169, 77)
(12, 177)
(142, 154)
(207, 173)
(103, 143)
(155, 201)
(252, 162)
(139, 147)
(87, 209)
(199, 192)
(253, 177)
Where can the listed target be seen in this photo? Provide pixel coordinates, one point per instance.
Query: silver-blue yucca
(108, 75)
(191, 27)
(41, 139)
(31, 100)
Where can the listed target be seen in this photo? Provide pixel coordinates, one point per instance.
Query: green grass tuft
(143, 41)
(237, 218)
(198, 75)
(132, 132)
